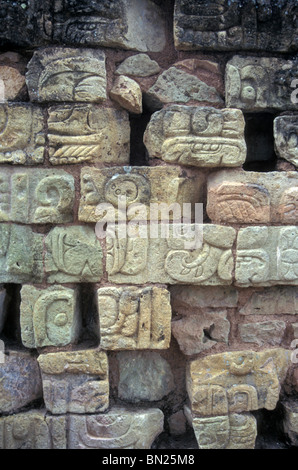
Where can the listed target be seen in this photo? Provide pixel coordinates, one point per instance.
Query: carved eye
(248, 93)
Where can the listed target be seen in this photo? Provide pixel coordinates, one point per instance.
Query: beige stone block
(281, 300)
(80, 133)
(236, 381)
(197, 136)
(134, 318)
(75, 381)
(65, 74)
(12, 73)
(268, 333)
(139, 65)
(251, 197)
(27, 430)
(267, 256)
(286, 137)
(128, 94)
(49, 317)
(196, 298)
(290, 421)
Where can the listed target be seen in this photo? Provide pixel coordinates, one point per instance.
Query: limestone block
(236, 382)
(64, 74)
(196, 333)
(128, 94)
(263, 333)
(22, 135)
(139, 65)
(250, 197)
(79, 133)
(144, 376)
(117, 429)
(267, 256)
(20, 381)
(139, 185)
(3, 306)
(188, 81)
(290, 422)
(12, 73)
(286, 137)
(272, 301)
(134, 318)
(198, 136)
(20, 254)
(196, 298)
(260, 83)
(40, 197)
(75, 381)
(73, 254)
(231, 25)
(49, 317)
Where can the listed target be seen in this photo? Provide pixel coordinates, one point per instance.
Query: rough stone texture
(290, 422)
(272, 301)
(75, 382)
(139, 185)
(3, 306)
(198, 136)
(250, 197)
(64, 74)
(134, 318)
(73, 254)
(266, 256)
(144, 376)
(236, 382)
(177, 423)
(195, 297)
(139, 65)
(20, 381)
(231, 25)
(260, 83)
(12, 72)
(29, 196)
(263, 333)
(128, 94)
(80, 133)
(286, 138)
(49, 317)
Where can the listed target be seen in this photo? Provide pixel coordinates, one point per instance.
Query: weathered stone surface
(128, 94)
(198, 136)
(117, 429)
(260, 83)
(20, 381)
(267, 256)
(196, 297)
(12, 73)
(235, 431)
(3, 306)
(196, 333)
(236, 382)
(49, 317)
(75, 382)
(22, 134)
(177, 423)
(134, 318)
(139, 185)
(186, 81)
(139, 65)
(272, 301)
(73, 254)
(64, 74)
(250, 197)
(232, 25)
(269, 332)
(286, 138)
(30, 196)
(144, 376)
(81, 133)
(290, 422)
(20, 255)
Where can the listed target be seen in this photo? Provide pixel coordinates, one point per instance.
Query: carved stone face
(134, 188)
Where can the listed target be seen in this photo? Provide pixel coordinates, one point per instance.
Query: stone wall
(140, 342)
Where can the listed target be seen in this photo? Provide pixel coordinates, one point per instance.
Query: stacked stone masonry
(149, 247)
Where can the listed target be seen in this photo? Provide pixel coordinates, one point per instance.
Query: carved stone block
(88, 133)
(236, 382)
(64, 74)
(260, 83)
(20, 381)
(272, 301)
(49, 317)
(250, 197)
(139, 185)
(28, 196)
(22, 134)
(75, 382)
(290, 422)
(134, 318)
(233, 25)
(268, 333)
(73, 254)
(286, 138)
(267, 256)
(197, 136)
